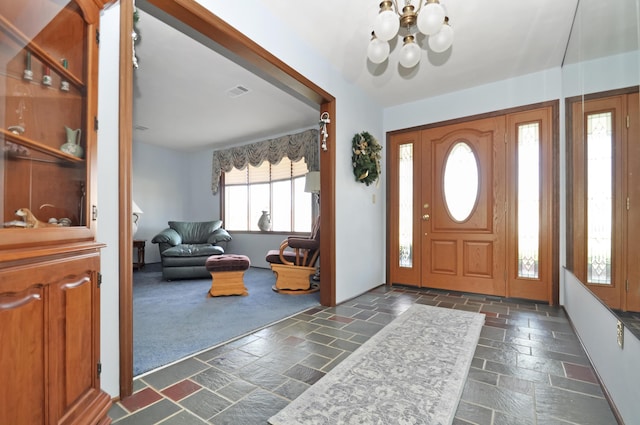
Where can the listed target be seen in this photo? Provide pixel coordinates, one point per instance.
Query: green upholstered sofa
(186, 245)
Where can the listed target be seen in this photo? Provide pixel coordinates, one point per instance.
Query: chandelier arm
(395, 6)
(419, 7)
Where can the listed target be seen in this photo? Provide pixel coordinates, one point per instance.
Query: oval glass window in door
(461, 181)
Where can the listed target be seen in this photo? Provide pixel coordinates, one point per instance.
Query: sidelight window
(528, 194)
(599, 197)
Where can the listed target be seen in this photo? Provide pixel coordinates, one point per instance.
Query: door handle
(425, 217)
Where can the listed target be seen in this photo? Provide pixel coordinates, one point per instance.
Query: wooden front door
(471, 206)
(463, 207)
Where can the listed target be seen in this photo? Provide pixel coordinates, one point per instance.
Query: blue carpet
(172, 320)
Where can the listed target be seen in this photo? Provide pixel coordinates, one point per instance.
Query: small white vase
(264, 223)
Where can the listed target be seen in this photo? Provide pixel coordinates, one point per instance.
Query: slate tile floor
(528, 367)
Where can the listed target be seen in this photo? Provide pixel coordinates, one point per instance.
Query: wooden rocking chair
(295, 261)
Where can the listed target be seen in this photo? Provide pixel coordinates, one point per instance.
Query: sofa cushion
(195, 232)
(193, 250)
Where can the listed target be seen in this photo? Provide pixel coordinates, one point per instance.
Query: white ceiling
(180, 89)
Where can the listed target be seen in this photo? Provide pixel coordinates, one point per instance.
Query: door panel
(468, 254)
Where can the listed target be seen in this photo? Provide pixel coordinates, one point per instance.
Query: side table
(139, 245)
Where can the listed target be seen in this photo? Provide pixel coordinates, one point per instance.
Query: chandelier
(430, 20)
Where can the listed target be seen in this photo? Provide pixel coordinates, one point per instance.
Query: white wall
(359, 222)
(533, 88)
(108, 195)
(163, 187)
(617, 367)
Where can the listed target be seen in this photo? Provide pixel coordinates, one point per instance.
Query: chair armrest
(219, 235)
(168, 236)
(303, 243)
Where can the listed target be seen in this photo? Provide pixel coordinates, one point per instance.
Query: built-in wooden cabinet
(49, 258)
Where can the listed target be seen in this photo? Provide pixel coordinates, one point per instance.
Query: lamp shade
(410, 53)
(431, 18)
(378, 50)
(312, 182)
(386, 25)
(442, 40)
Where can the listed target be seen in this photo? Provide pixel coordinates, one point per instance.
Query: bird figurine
(30, 220)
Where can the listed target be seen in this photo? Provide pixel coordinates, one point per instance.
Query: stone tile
(530, 375)
(501, 418)
(291, 389)
(263, 377)
(236, 390)
(140, 399)
(578, 386)
(151, 415)
(493, 354)
(320, 338)
(572, 407)
(180, 390)
(139, 384)
(184, 418)
(496, 398)
(541, 364)
(215, 352)
(579, 372)
(364, 328)
(345, 345)
(175, 373)
(254, 409)
(261, 346)
(213, 378)
(316, 362)
(335, 333)
(233, 360)
(516, 384)
(322, 350)
(205, 404)
(116, 411)
(304, 374)
(483, 376)
(472, 413)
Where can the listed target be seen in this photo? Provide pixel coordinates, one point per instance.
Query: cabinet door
(23, 337)
(48, 107)
(49, 324)
(73, 303)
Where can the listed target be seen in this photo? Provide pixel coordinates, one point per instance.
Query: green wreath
(366, 158)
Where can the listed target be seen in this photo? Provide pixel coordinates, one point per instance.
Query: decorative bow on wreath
(366, 158)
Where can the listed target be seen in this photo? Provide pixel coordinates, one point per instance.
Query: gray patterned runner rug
(411, 372)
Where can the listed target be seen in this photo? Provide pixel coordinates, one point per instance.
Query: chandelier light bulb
(378, 50)
(410, 53)
(431, 18)
(443, 39)
(387, 24)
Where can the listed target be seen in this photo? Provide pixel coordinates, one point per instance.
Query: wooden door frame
(202, 20)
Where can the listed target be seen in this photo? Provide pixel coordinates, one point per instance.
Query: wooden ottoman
(227, 274)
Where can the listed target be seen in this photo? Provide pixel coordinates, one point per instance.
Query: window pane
(461, 181)
(235, 202)
(258, 202)
(278, 189)
(235, 176)
(405, 199)
(259, 174)
(281, 201)
(599, 197)
(528, 199)
(302, 206)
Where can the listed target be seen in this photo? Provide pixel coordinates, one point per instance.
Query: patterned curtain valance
(294, 146)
